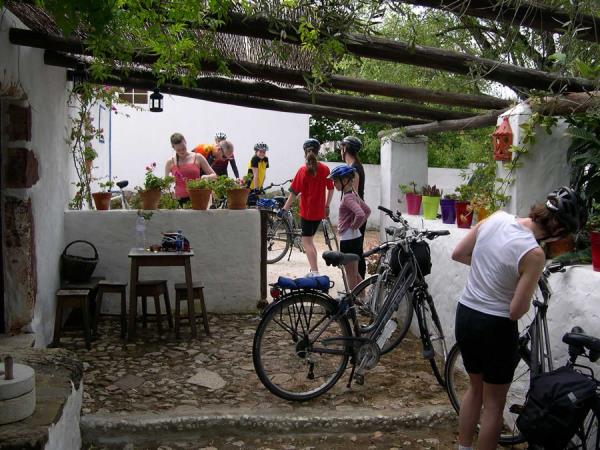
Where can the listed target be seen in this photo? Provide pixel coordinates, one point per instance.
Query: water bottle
(140, 233)
(389, 328)
(179, 241)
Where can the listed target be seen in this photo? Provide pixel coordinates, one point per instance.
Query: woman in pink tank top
(185, 166)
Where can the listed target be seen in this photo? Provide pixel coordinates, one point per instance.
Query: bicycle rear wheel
(278, 238)
(329, 234)
(457, 383)
(432, 336)
(301, 348)
(369, 301)
(588, 436)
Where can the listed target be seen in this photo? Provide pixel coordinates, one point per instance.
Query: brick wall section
(19, 123)
(20, 256)
(21, 168)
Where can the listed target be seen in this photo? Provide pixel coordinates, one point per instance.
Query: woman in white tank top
(506, 262)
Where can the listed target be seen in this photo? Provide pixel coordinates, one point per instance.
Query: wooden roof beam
(536, 16)
(242, 68)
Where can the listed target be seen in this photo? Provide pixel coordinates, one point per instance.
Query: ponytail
(311, 162)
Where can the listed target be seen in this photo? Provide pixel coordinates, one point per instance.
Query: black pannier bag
(422, 254)
(556, 404)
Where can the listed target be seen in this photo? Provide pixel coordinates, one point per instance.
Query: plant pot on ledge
(237, 198)
(200, 198)
(595, 247)
(102, 200)
(150, 199)
(464, 217)
(413, 203)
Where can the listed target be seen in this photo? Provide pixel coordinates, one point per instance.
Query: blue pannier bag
(266, 203)
(320, 283)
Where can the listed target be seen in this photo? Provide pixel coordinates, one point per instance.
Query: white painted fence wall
(226, 248)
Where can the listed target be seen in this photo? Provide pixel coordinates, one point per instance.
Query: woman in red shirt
(311, 184)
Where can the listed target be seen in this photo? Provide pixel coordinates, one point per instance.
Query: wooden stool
(72, 298)
(111, 287)
(181, 295)
(154, 288)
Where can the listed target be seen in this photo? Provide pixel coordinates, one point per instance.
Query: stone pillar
(544, 167)
(403, 159)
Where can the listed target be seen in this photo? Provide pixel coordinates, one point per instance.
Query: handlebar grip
(385, 210)
(577, 329)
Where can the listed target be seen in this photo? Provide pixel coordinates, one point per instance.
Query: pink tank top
(183, 172)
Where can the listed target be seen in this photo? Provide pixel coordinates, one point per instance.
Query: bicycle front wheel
(457, 384)
(329, 235)
(369, 298)
(301, 347)
(432, 336)
(278, 238)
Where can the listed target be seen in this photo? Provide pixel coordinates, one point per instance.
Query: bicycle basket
(422, 254)
(77, 269)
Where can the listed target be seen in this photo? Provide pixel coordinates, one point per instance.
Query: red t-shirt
(312, 188)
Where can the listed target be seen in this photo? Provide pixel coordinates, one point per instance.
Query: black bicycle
(536, 358)
(306, 338)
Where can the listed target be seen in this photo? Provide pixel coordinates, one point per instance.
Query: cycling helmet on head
(311, 143)
(353, 143)
(568, 207)
(342, 171)
(261, 146)
(220, 136)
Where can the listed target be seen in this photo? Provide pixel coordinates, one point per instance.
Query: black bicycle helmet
(568, 207)
(311, 143)
(220, 136)
(353, 143)
(261, 146)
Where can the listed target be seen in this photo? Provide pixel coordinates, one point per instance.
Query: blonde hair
(177, 138)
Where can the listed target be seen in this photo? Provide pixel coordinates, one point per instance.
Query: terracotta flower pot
(482, 213)
(102, 200)
(595, 244)
(430, 207)
(413, 203)
(237, 198)
(150, 199)
(464, 217)
(200, 198)
(557, 248)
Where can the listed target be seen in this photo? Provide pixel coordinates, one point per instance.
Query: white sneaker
(312, 274)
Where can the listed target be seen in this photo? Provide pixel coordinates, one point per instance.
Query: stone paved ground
(154, 375)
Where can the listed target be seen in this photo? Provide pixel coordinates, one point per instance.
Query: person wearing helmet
(311, 184)
(220, 136)
(185, 166)
(350, 146)
(210, 151)
(506, 262)
(258, 165)
(222, 157)
(353, 213)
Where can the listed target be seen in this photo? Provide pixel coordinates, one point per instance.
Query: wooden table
(140, 258)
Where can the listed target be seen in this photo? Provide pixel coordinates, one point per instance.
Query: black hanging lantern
(80, 75)
(156, 101)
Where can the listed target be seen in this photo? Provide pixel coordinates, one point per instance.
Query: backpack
(556, 405)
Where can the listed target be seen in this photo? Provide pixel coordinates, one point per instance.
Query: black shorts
(488, 344)
(309, 227)
(353, 246)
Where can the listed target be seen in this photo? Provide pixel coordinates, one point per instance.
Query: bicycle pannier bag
(556, 404)
(421, 252)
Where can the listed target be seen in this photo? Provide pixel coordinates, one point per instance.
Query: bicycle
(535, 358)
(120, 195)
(306, 338)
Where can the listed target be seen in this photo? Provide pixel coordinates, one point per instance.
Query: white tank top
(501, 243)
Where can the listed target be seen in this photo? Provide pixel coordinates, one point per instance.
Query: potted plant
(464, 217)
(153, 186)
(237, 194)
(199, 190)
(102, 198)
(594, 233)
(431, 201)
(447, 206)
(413, 198)
(89, 154)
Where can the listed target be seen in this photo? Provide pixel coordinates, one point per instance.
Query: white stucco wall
(574, 300)
(46, 91)
(65, 433)
(143, 137)
(226, 248)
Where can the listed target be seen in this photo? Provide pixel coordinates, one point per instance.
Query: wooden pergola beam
(415, 55)
(520, 14)
(247, 69)
(270, 91)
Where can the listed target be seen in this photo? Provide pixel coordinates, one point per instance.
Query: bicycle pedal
(428, 354)
(359, 379)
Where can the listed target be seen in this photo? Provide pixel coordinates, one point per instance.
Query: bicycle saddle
(577, 341)
(122, 183)
(337, 259)
(280, 200)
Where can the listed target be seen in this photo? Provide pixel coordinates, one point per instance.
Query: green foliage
(593, 222)
(221, 185)
(152, 182)
(147, 215)
(106, 186)
(167, 201)
(411, 188)
(431, 191)
(198, 183)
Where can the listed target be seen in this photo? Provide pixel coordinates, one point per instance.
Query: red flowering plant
(152, 182)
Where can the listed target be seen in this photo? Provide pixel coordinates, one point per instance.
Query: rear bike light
(275, 292)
